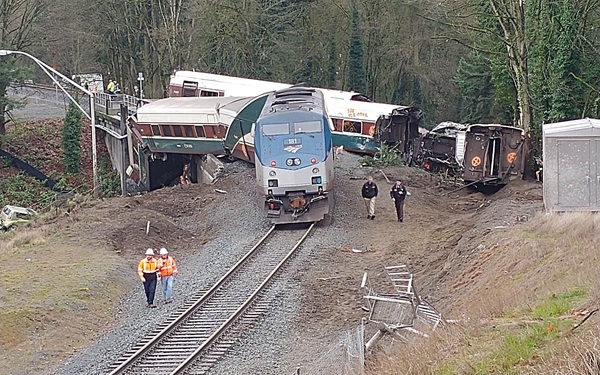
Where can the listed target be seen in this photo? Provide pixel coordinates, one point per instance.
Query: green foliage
(558, 305)
(332, 62)
(477, 91)
(71, 139)
(523, 344)
(110, 181)
(22, 190)
(357, 80)
(385, 157)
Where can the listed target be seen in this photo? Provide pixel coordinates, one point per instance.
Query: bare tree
(17, 31)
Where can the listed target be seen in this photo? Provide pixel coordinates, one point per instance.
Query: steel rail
(122, 368)
(234, 317)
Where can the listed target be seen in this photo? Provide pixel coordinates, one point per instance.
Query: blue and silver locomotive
(294, 156)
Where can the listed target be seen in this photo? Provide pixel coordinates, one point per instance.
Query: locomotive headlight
(272, 173)
(315, 170)
(297, 161)
(289, 162)
(273, 183)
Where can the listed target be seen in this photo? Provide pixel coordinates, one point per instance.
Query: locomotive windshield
(275, 129)
(308, 127)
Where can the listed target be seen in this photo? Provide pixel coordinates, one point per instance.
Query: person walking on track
(167, 269)
(369, 194)
(398, 194)
(148, 272)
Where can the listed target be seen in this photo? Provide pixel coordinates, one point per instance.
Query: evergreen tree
(481, 92)
(332, 64)
(356, 70)
(71, 139)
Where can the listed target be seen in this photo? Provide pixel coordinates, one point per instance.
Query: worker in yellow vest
(167, 269)
(110, 88)
(148, 272)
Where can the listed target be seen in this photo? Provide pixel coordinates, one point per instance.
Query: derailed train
(484, 154)
(294, 156)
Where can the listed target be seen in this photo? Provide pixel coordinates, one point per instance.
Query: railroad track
(202, 331)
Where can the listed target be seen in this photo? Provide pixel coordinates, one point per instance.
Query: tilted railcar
(353, 114)
(484, 154)
(494, 154)
(442, 148)
(294, 156)
(400, 129)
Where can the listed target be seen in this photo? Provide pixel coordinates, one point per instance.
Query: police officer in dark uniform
(369, 194)
(398, 194)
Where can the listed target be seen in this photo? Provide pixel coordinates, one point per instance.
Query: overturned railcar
(442, 148)
(494, 154)
(400, 130)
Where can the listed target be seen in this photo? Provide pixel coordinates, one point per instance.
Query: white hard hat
(163, 251)
(149, 252)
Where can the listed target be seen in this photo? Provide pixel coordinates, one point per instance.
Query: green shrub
(385, 157)
(71, 139)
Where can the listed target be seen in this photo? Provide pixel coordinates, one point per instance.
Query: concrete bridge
(111, 113)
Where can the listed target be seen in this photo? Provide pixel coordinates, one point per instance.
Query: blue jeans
(167, 286)
(149, 288)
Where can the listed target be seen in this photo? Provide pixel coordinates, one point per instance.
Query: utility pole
(141, 79)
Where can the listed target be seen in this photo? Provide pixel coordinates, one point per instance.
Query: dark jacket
(398, 193)
(369, 190)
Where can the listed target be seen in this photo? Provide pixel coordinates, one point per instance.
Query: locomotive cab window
(308, 127)
(275, 129)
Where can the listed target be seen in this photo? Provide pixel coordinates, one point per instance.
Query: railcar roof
(173, 108)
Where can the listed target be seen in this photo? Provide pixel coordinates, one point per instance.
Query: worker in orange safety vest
(148, 272)
(167, 269)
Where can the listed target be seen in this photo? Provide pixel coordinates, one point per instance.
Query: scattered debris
(328, 278)
(220, 191)
(583, 321)
(403, 310)
(386, 177)
(148, 227)
(360, 251)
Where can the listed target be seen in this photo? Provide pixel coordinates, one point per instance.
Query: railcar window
(200, 132)
(155, 130)
(178, 131)
(209, 93)
(189, 132)
(337, 122)
(189, 88)
(308, 127)
(353, 126)
(166, 130)
(275, 129)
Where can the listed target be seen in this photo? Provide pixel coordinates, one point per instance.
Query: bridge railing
(110, 104)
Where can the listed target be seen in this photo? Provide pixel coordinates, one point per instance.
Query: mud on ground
(94, 247)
